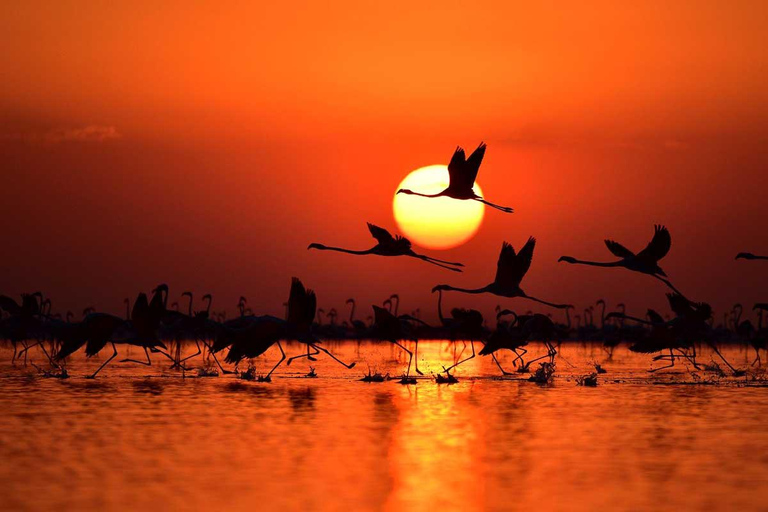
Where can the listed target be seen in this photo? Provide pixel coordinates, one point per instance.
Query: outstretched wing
(654, 317)
(380, 234)
(619, 250)
(473, 164)
(680, 305)
(9, 305)
(403, 242)
(457, 164)
(511, 267)
(659, 245)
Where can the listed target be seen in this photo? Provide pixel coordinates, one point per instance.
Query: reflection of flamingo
(462, 173)
(646, 261)
(511, 269)
(390, 246)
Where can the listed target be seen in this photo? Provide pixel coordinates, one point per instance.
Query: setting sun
(435, 223)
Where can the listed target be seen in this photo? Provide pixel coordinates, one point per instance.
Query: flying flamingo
(510, 270)
(389, 246)
(646, 261)
(749, 256)
(462, 174)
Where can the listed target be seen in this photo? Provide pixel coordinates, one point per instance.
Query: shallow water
(145, 438)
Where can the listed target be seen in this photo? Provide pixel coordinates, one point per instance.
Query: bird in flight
(389, 245)
(510, 271)
(645, 262)
(462, 172)
(750, 256)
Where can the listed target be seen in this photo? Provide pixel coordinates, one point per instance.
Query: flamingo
(749, 256)
(358, 325)
(511, 268)
(462, 173)
(646, 261)
(394, 329)
(390, 246)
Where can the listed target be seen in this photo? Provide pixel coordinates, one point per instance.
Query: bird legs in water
(454, 365)
(282, 358)
(148, 362)
(514, 361)
(114, 355)
(310, 357)
(551, 353)
(410, 357)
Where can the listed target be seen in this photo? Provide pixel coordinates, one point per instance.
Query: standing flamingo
(462, 173)
(510, 270)
(390, 246)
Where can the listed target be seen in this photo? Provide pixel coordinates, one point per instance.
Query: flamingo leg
(114, 355)
(218, 363)
(307, 355)
(148, 362)
(428, 260)
(282, 358)
(471, 344)
(323, 349)
(505, 209)
(410, 357)
(503, 371)
(417, 357)
(670, 365)
(199, 351)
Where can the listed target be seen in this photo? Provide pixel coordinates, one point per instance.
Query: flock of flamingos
(152, 325)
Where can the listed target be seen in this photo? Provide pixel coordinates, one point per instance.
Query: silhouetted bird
(389, 246)
(646, 261)
(462, 172)
(749, 256)
(510, 270)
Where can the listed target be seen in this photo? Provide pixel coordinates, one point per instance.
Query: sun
(435, 223)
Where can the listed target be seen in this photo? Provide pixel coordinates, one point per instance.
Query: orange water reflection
(635, 442)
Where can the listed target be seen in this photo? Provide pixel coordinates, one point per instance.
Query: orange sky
(205, 144)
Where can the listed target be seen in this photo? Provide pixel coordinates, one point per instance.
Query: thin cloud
(86, 134)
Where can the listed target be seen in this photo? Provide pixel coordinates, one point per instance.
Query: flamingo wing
(297, 302)
(473, 164)
(403, 242)
(511, 267)
(457, 165)
(619, 250)
(380, 234)
(9, 305)
(655, 317)
(679, 304)
(659, 245)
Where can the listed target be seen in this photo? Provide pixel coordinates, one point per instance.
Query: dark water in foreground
(144, 438)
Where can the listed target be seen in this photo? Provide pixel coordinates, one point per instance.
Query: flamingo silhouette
(510, 270)
(462, 173)
(358, 325)
(749, 256)
(392, 328)
(389, 246)
(646, 261)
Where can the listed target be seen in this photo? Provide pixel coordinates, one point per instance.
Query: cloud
(91, 133)
(85, 134)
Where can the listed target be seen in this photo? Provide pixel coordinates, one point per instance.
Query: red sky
(207, 144)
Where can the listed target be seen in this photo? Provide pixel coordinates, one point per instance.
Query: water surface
(146, 438)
